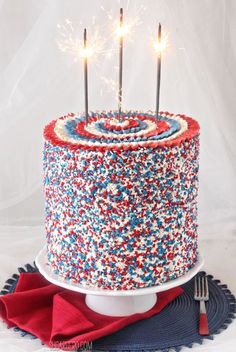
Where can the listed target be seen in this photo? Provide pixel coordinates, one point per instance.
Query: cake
(121, 198)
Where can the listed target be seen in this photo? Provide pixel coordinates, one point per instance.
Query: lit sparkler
(69, 41)
(86, 53)
(159, 47)
(121, 31)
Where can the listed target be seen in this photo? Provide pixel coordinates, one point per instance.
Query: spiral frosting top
(105, 131)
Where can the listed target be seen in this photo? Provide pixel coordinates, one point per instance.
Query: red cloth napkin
(59, 317)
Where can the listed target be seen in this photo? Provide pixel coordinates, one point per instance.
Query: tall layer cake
(121, 207)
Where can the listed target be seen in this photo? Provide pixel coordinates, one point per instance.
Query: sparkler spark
(159, 45)
(86, 52)
(126, 29)
(123, 30)
(111, 83)
(70, 41)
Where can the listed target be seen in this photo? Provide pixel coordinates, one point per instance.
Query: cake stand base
(119, 306)
(114, 302)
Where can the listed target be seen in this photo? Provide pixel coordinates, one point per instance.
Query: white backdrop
(38, 83)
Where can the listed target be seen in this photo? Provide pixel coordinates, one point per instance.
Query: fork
(201, 294)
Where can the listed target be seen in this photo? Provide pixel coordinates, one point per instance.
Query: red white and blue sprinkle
(121, 198)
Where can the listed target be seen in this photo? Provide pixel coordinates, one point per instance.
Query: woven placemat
(174, 327)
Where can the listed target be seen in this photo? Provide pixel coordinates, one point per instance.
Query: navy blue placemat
(174, 327)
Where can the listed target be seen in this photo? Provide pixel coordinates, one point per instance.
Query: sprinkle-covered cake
(121, 198)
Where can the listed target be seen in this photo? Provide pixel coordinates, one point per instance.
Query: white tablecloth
(19, 245)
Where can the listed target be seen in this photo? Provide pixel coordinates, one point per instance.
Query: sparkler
(159, 47)
(85, 54)
(158, 50)
(121, 32)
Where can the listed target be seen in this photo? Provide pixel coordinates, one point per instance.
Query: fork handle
(203, 322)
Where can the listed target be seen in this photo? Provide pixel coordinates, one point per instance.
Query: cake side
(122, 216)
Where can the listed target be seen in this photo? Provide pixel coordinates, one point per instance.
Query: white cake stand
(114, 302)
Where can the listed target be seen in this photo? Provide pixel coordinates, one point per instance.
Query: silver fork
(201, 294)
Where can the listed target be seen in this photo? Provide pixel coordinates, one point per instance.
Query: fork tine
(206, 286)
(199, 287)
(195, 286)
(203, 286)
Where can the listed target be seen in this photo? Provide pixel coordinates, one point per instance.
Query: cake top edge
(106, 130)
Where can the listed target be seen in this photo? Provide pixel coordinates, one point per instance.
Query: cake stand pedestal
(114, 302)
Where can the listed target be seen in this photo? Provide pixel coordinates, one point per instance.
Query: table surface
(20, 245)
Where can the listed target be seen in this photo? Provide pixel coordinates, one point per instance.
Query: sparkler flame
(86, 52)
(160, 46)
(125, 30)
(70, 43)
(122, 31)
